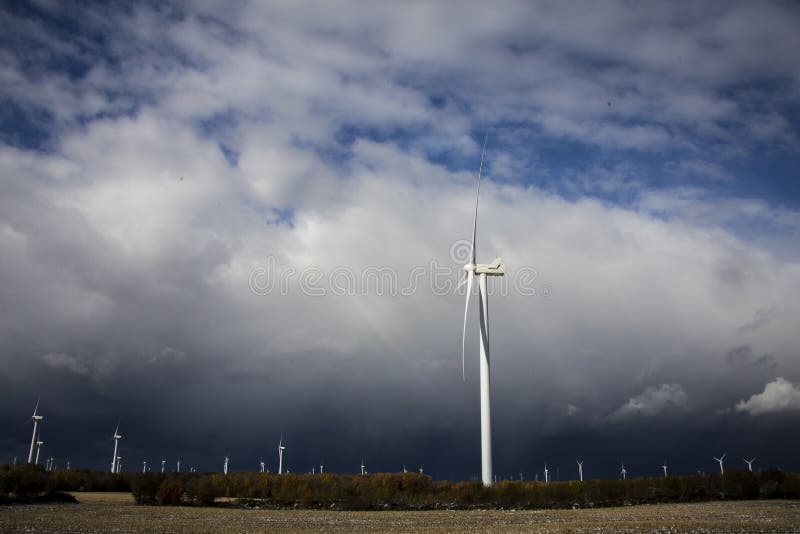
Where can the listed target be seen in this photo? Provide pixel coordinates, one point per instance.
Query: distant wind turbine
(116, 437)
(420, 470)
(36, 418)
(261, 466)
(163, 463)
(496, 268)
(749, 464)
(624, 473)
(362, 466)
(320, 469)
(144, 466)
(178, 466)
(546, 474)
(280, 456)
(225, 467)
(721, 468)
(580, 469)
(664, 467)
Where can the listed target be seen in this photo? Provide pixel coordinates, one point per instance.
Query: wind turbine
(749, 464)
(496, 268)
(721, 469)
(36, 418)
(116, 439)
(362, 466)
(546, 474)
(624, 473)
(420, 470)
(580, 469)
(280, 456)
(144, 466)
(163, 463)
(320, 469)
(664, 467)
(261, 465)
(225, 467)
(179, 466)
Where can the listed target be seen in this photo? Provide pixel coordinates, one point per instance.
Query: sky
(223, 223)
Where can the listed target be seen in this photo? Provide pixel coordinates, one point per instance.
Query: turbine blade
(470, 276)
(36, 409)
(477, 196)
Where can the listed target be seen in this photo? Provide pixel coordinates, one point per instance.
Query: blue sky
(641, 162)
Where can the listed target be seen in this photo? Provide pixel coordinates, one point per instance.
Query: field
(116, 512)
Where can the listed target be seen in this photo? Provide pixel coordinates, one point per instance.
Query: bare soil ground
(116, 512)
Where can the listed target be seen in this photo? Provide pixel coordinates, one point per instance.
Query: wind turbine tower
(320, 469)
(362, 466)
(261, 466)
(750, 464)
(163, 463)
(119, 464)
(280, 456)
(624, 473)
(36, 418)
(496, 268)
(116, 439)
(179, 466)
(546, 474)
(721, 468)
(664, 467)
(580, 469)
(144, 466)
(225, 466)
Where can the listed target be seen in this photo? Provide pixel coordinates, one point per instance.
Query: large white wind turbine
(580, 469)
(721, 468)
(496, 268)
(116, 437)
(36, 418)
(280, 456)
(749, 464)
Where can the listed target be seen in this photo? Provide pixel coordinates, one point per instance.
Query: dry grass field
(115, 512)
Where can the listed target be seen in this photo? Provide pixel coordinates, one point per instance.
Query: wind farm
(223, 224)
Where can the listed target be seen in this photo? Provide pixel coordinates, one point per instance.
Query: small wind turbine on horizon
(749, 464)
(624, 472)
(362, 466)
(178, 466)
(225, 467)
(721, 468)
(163, 463)
(261, 465)
(546, 474)
(496, 268)
(280, 455)
(144, 466)
(116, 437)
(664, 467)
(36, 418)
(320, 469)
(580, 469)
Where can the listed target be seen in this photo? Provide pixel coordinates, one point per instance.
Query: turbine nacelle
(38, 417)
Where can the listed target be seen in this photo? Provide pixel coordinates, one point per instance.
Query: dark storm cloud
(154, 159)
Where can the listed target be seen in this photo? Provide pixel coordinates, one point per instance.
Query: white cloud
(59, 360)
(652, 401)
(779, 395)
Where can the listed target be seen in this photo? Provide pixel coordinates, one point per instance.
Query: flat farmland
(115, 512)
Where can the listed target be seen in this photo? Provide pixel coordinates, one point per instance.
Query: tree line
(378, 491)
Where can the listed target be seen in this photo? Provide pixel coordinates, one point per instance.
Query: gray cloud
(193, 145)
